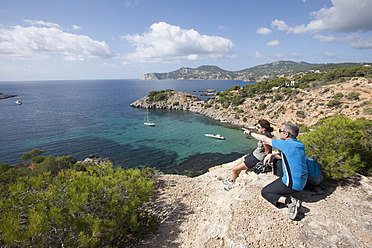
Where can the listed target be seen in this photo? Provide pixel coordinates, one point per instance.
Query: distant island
(2, 96)
(254, 74)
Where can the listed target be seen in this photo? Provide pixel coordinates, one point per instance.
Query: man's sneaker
(228, 187)
(228, 182)
(294, 207)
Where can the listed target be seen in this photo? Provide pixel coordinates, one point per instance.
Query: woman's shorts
(250, 160)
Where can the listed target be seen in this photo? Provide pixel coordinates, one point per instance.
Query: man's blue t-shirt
(293, 162)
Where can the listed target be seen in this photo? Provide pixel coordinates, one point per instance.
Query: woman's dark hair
(265, 124)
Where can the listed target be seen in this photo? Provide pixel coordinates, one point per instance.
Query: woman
(258, 155)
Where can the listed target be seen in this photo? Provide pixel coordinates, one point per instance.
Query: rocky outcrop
(303, 107)
(2, 96)
(149, 76)
(198, 212)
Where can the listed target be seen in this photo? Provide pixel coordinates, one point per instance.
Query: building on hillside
(290, 84)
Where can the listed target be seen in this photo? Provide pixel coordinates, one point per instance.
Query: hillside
(255, 74)
(301, 106)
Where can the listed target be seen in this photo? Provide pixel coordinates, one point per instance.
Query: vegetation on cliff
(162, 95)
(257, 73)
(341, 146)
(54, 202)
(236, 95)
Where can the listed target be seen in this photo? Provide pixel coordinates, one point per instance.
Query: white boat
(215, 136)
(146, 120)
(18, 102)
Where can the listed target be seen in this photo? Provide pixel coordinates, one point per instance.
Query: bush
(99, 207)
(341, 146)
(262, 106)
(353, 95)
(162, 95)
(338, 95)
(334, 103)
(300, 114)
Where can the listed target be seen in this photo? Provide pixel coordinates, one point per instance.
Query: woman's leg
(237, 169)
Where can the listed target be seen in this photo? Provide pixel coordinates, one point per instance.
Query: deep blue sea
(94, 117)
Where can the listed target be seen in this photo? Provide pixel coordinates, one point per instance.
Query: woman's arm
(260, 137)
(268, 149)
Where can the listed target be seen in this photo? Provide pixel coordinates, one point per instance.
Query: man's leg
(276, 191)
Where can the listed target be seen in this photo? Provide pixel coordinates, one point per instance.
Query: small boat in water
(215, 136)
(18, 102)
(146, 120)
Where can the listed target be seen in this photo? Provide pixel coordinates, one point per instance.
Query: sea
(84, 117)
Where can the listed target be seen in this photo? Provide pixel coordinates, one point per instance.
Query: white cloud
(165, 42)
(353, 40)
(264, 31)
(42, 23)
(131, 3)
(273, 43)
(343, 16)
(329, 55)
(279, 56)
(75, 27)
(34, 43)
(295, 55)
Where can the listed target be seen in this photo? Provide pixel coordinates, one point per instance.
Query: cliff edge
(198, 212)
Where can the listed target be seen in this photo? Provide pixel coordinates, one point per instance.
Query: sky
(124, 39)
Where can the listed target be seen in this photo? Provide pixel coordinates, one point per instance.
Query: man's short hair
(291, 129)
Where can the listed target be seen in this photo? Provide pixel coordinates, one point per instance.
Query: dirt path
(198, 212)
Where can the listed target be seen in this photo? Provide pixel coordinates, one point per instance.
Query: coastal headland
(306, 107)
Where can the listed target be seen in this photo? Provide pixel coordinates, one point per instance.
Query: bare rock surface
(198, 212)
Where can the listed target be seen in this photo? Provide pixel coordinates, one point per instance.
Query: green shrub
(341, 146)
(98, 207)
(262, 106)
(353, 95)
(338, 95)
(367, 110)
(176, 103)
(334, 103)
(162, 95)
(301, 114)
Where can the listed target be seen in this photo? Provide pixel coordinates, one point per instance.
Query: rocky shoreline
(304, 108)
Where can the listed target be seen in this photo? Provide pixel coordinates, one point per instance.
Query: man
(294, 168)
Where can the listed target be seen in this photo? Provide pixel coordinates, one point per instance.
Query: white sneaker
(294, 207)
(228, 182)
(228, 187)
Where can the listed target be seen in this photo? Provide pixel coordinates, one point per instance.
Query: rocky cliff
(306, 107)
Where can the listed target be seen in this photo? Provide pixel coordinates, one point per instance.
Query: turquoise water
(94, 117)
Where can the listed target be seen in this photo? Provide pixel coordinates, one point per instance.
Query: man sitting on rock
(294, 168)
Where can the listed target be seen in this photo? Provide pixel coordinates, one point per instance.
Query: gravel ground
(198, 212)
